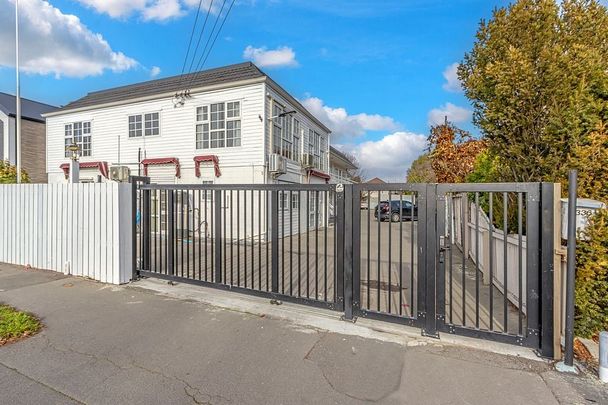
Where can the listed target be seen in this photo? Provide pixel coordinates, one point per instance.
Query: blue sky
(371, 69)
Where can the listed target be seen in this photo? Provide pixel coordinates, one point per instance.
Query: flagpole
(18, 95)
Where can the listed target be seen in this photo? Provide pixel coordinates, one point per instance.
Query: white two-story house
(234, 124)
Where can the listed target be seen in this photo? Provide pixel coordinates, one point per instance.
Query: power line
(198, 64)
(217, 34)
(200, 36)
(198, 10)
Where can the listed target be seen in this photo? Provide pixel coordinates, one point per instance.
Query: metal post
(571, 267)
(134, 269)
(430, 328)
(145, 227)
(568, 364)
(348, 252)
(217, 243)
(603, 374)
(274, 227)
(170, 246)
(547, 270)
(339, 276)
(17, 96)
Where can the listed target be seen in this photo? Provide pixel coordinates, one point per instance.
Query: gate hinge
(440, 317)
(533, 332)
(421, 315)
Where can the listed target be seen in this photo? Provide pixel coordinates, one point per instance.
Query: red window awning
(207, 158)
(319, 174)
(162, 161)
(102, 166)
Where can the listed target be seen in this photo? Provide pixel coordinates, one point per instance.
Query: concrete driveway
(115, 345)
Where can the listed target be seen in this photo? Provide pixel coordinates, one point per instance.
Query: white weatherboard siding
(81, 229)
(111, 142)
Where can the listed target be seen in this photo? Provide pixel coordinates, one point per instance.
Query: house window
(80, 134)
(286, 204)
(283, 133)
(296, 139)
(314, 148)
(218, 125)
(144, 124)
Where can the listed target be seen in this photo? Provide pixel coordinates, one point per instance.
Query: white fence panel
(80, 229)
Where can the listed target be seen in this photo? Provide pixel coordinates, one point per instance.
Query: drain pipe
(568, 364)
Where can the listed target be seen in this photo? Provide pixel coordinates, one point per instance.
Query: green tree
(537, 77)
(8, 174)
(421, 170)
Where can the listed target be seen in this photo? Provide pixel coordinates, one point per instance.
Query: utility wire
(198, 10)
(218, 33)
(198, 64)
(200, 37)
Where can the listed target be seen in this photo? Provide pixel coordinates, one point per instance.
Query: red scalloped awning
(162, 161)
(319, 174)
(102, 166)
(207, 158)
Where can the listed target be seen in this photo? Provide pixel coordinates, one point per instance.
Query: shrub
(8, 174)
(592, 278)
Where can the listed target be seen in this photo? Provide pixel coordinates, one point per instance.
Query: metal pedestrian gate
(467, 259)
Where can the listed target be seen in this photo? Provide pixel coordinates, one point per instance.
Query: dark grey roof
(30, 109)
(225, 74)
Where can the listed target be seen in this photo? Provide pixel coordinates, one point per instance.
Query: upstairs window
(218, 125)
(80, 134)
(144, 125)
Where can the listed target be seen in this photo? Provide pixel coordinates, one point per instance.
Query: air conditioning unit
(120, 173)
(308, 161)
(276, 164)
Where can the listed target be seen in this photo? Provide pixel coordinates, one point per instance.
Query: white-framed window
(218, 125)
(296, 139)
(286, 204)
(147, 124)
(285, 133)
(80, 134)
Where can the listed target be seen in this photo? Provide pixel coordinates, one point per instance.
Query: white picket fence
(79, 229)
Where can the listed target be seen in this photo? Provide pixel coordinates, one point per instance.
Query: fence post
(430, 325)
(170, 234)
(571, 272)
(274, 228)
(547, 269)
(134, 269)
(533, 262)
(145, 229)
(348, 251)
(441, 208)
(339, 276)
(217, 232)
(356, 242)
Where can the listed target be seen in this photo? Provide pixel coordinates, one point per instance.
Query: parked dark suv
(393, 214)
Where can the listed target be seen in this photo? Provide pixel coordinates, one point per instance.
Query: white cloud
(149, 10)
(344, 125)
(390, 157)
(55, 43)
(282, 56)
(454, 113)
(452, 82)
(155, 71)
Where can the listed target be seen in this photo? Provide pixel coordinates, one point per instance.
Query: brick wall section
(33, 150)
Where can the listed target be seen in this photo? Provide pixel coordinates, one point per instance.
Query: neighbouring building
(340, 167)
(33, 135)
(234, 125)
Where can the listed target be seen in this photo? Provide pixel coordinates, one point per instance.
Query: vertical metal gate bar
(187, 231)
(170, 234)
(430, 328)
(438, 307)
(356, 246)
(369, 238)
(317, 212)
(379, 262)
(491, 261)
(348, 251)
(290, 202)
(217, 221)
(390, 248)
(326, 220)
(401, 251)
(145, 221)
(451, 218)
(307, 244)
(477, 209)
(232, 237)
(413, 241)
(274, 226)
(505, 236)
(465, 246)
(421, 286)
(339, 271)
(300, 243)
(532, 266)
(520, 267)
(546, 281)
(282, 233)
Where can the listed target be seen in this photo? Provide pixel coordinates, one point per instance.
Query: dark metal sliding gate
(467, 259)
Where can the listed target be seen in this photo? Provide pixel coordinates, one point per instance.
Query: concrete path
(117, 345)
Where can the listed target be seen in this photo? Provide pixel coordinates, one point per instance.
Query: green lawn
(15, 324)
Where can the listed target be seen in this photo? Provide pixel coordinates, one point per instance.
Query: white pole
(18, 96)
